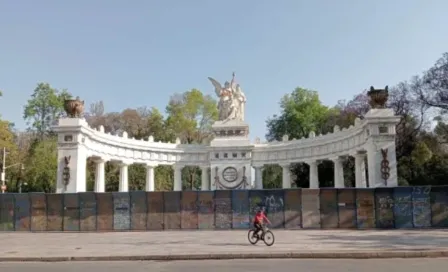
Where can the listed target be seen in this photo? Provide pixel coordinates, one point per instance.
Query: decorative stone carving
(232, 100)
(74, 107)
(378, 97)
(385, 169)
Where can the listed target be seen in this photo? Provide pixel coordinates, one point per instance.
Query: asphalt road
(374, 265)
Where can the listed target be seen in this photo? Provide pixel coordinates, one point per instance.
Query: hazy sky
(139, 52)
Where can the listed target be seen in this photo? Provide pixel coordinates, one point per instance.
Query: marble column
(314, 179)
(100, 183)
(177, 178)
(123, 182)
(360, 171)
(150, 182)
(205, 183)
(258, 177)
(286, 175)
(338, 173)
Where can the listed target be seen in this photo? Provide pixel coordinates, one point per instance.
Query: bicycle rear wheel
(250, 236)
(269, 238)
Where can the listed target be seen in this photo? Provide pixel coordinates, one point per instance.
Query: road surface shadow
(230, 244)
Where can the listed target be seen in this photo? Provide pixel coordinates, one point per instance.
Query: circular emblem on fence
(230, 174)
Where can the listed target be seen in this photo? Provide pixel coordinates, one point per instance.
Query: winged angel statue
(231, 100)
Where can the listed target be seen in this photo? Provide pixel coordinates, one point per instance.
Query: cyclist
(259, 222)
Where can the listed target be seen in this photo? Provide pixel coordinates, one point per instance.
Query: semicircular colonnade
(372, 138)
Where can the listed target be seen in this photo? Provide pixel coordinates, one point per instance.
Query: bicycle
(267, 237)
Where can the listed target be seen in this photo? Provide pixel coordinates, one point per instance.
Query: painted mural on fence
(122, 211)
(439, 207)
(385, 208)
(223, 209)
(346, 199)
(272, 201)
(293, 209)
(206, 210)
(139, 210)
(71, 212)
(421, 207)
(402, 209)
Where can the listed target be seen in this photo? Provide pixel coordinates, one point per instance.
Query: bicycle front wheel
(269, 238)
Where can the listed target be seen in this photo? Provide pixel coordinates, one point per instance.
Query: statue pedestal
(230, 156)
(231, 133)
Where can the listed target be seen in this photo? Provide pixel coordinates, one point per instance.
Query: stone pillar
(100, 183)
(338, 173)
(123, 181)
(360, 171)
(72, 155)
(258, 177)
(150, 182)
(380, 128)
(177, 178)
(314, 179)
(205, 183)
(286, 175)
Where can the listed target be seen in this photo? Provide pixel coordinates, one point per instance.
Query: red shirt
(260, 217)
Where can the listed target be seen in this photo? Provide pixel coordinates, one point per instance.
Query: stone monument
(230, 150)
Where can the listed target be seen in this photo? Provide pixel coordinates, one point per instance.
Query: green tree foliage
(302, 112)
(45, 106)
(190, 117)
(41, 167)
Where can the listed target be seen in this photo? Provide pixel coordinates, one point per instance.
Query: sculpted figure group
(231, 100)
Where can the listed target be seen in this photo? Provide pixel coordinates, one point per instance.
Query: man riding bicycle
(259, 222)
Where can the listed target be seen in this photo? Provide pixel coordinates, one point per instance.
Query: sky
(138, 53)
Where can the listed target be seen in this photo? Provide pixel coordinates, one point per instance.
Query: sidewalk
(221, 245)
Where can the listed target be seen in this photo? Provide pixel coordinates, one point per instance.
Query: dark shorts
(258, 226)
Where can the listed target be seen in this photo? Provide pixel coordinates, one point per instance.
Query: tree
(190, 117)
(45, 106)
(41, 167)
(434, 82)
(301, 113)
(7, 141)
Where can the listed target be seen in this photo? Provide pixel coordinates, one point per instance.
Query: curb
(233, 256)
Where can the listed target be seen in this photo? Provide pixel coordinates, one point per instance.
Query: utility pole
(3, 171)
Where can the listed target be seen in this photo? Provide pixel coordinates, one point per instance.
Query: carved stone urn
(378, 97)
(74, 107)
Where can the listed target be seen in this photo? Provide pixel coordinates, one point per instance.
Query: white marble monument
(230, 150)
(228, 160)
